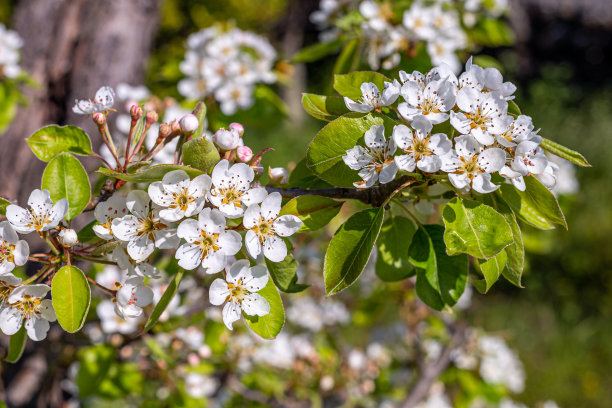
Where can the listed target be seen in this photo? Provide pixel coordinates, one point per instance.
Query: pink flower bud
(152, 117)
(176, 126)
(99, 119)
(68, 237)
(278, 175)
(238, 128)
(164, 131)
(189, 123)
(135, 112)
(226, 139)
(244, 153)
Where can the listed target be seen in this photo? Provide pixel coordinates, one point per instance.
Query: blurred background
(559, 54)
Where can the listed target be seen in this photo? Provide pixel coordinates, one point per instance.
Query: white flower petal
(251, 241)
(271, 206)
(218, 292)
(231, 313)
(37, 328)
(189, 256)
(159, 195)
(20, 219)
(254, 196)
(10, 320)
(138, 202)
(274, 248)
(56, 214)
(229, 242)
(287, 225)
(251, 216)
(254, 304)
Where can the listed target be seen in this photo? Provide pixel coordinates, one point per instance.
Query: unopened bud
(99, 119)
(237, 127)
(244, 153)
(152, 117)
(176, 126)
(278, 175)
(226, 139)
(135, 112)
(68, 237)
(164, 131)
(189, 124)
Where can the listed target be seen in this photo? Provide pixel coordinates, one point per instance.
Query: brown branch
(429, 373)
(376, 195)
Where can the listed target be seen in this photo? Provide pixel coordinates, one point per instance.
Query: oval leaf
(71, 297)
(536, 205)
(150, 174)
(3, 204)
(350, 249)
(441, 279)
(52, 140)
(324, 107)
(17, 344)
(284, 274)
(515, 252)
(392, 263)
(65, 177)
(491, 270)
(564, 152)
(331, 143)
(270, 325)
(165, 300)
(475, 229)
(315, 212)
(349, 85)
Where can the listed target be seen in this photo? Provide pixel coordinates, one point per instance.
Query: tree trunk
(71, 48)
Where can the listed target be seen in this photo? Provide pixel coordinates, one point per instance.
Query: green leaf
(441, 279)
(348, 60)
(150, 174)
(314, 211)
(94, 364)
(325, 152)
(65, 177)
(392, 263)
(17, 344)
(71, 297)
(515, 252)
(270, 325)
(87, 234)
(3, 204)
(564, 152)
(491, 269)
(349, 85)
(350, 248)
(319, 50)
(322, 107)
(475, 229)
(536, 205)
(200, 154)
(513, 108)
(165, 300)
(284, 274)
(52, 140)
(302, 177)
(200, 112)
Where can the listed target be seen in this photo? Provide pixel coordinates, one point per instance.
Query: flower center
(5, 291)
(237, 291)
(182, 200)
(231, 196)
(479, 119)
(469, 167)
(428, 106)
(264, 229)
(38, 221)
(419, 148)
(28, 306)
(207, 243)
(148, 226)
(6, 252)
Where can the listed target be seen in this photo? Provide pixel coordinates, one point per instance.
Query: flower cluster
(226, 65)
(489, 139)
(197, 211)
(391, 30)
(10, 44)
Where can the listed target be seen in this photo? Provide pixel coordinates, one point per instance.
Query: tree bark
(71, 48)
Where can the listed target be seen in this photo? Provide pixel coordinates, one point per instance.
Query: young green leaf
(319, 50)
(475, 229)
(71, 296)
(270, 325)
(200, 154)
(350, 248)
(491, 270)
(441, 279)
(392, 263)
(315, 212)
(322, 107)
(65, 177)
(564, 152)
(349, 85)
(284, 274)
(331, 143)
(349, 57)
(536, 205)
(165, 300)
(3, 204)
(515, 252)
(150, 174)
(52, 140)
(200, 112)
(17, 344)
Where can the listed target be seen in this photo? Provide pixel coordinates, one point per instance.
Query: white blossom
(232, 188)
(483, 115)
(8, 282)
(208, 243)
(432, 101)
(68, 237)
(239, 290)
(103, 102)
(111, 322)
(13, 251)
(468, 166)
(28, 302)
(105, 212)
(131, 297)
(10, 43)
(200, 386)
(487, 80)
(372, 98)
(375, 161)
(43, 215)
(143, 229)
(265, 228)
(179, 196)
(421, 149)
